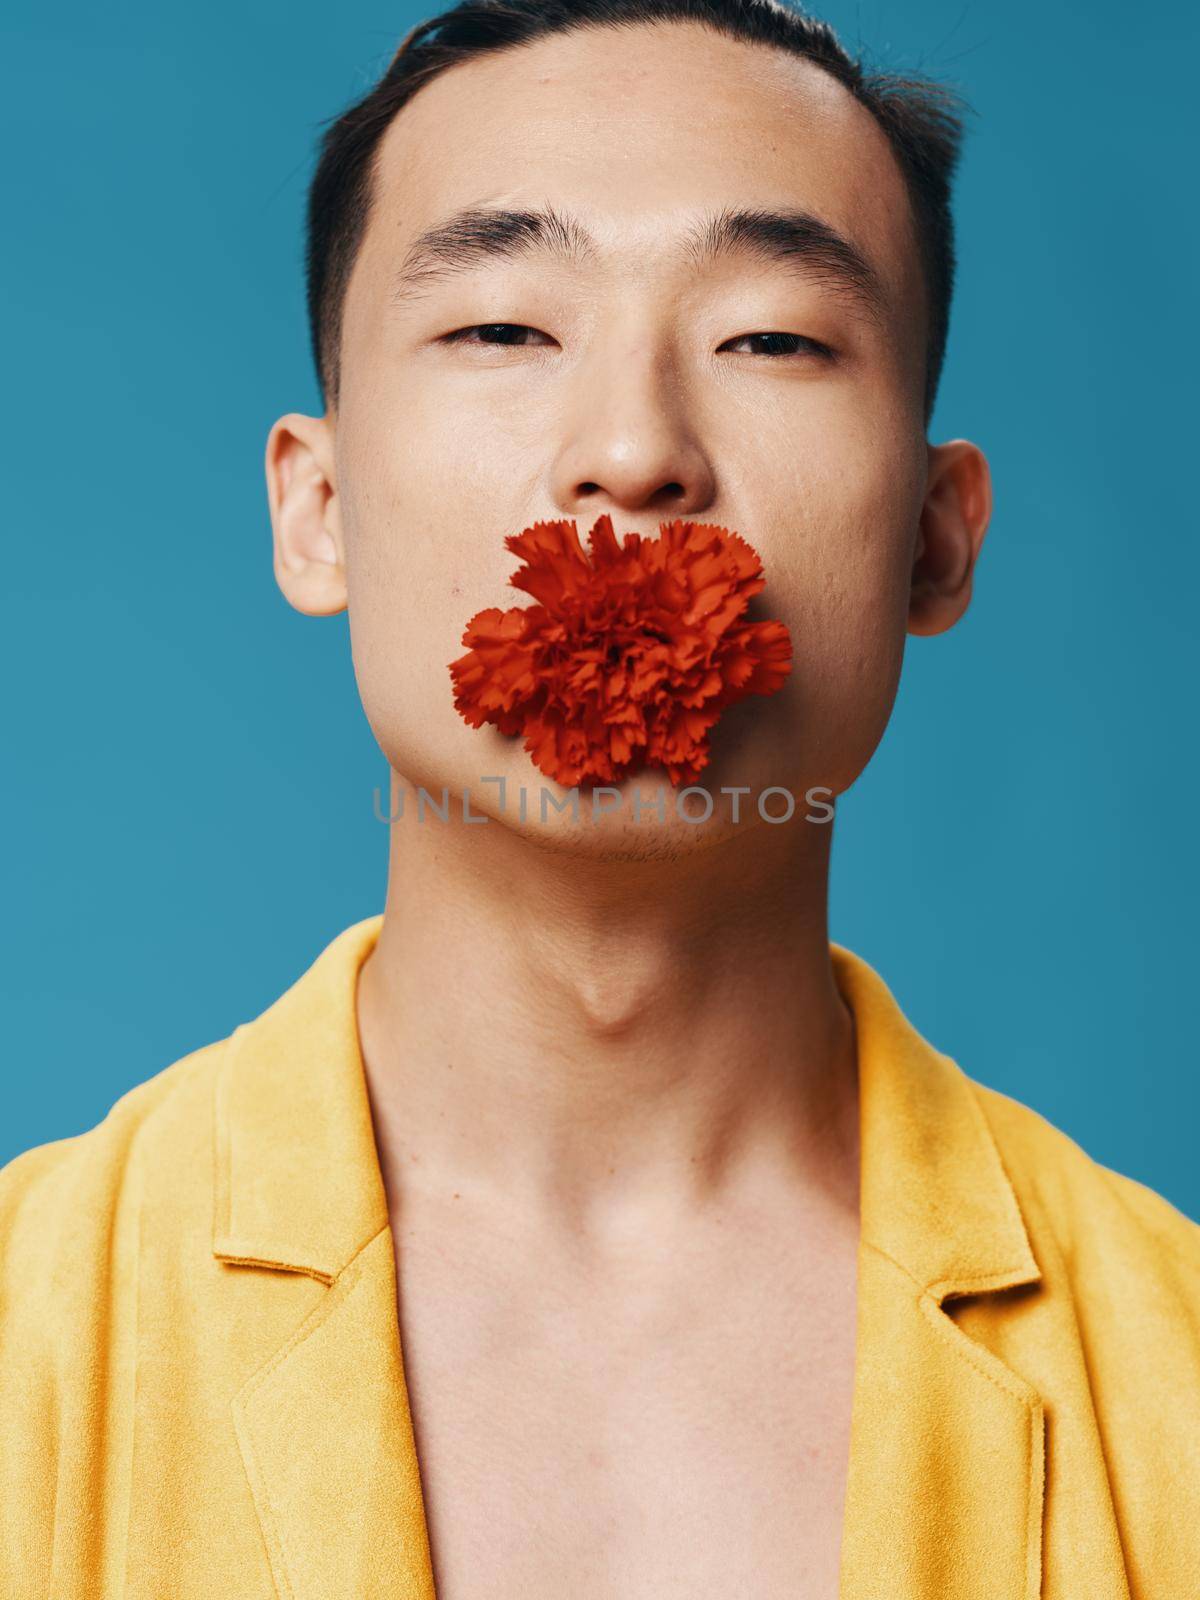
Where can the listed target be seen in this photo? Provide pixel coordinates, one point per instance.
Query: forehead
(640, 130)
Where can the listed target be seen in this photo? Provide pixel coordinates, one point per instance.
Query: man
(588, 1225)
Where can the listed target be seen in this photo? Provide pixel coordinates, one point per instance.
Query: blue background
(187, 812)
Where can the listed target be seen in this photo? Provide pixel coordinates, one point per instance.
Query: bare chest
(683, 1436)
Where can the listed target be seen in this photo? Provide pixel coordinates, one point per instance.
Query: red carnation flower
(626, 659)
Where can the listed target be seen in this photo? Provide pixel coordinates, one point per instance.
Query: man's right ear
(306, 520)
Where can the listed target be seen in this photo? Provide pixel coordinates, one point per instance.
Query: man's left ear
(954, 519)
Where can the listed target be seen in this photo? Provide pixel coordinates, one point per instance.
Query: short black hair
(923, 121)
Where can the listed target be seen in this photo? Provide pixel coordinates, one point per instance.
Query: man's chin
(645, 817)
(645, 826)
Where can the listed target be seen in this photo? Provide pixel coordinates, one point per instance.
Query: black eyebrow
(790, 238)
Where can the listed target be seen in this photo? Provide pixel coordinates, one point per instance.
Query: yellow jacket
(202, 1391)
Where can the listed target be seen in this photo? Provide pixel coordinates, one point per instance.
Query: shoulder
(54, 1195)
(70, 1235)
(1111, 1233)
(70, 1216)
(1110, 1339)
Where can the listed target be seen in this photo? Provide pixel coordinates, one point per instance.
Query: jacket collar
(298, 1182)
(934, 1195)
(292, 1107)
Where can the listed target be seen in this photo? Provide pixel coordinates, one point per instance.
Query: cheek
(442, 446)
(408, 601)
(848, 588)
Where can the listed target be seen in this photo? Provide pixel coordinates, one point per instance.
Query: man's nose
(630, 441)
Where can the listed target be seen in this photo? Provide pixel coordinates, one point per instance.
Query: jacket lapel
(944, 1497)
(323, 1426)
(945, 1490)
(326, 1437)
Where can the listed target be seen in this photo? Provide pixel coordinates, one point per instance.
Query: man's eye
(785, 344)
(490, 333)
(510, 334)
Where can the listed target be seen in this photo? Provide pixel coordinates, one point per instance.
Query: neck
(600, 1043)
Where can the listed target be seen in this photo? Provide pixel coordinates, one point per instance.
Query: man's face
(628, 380)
